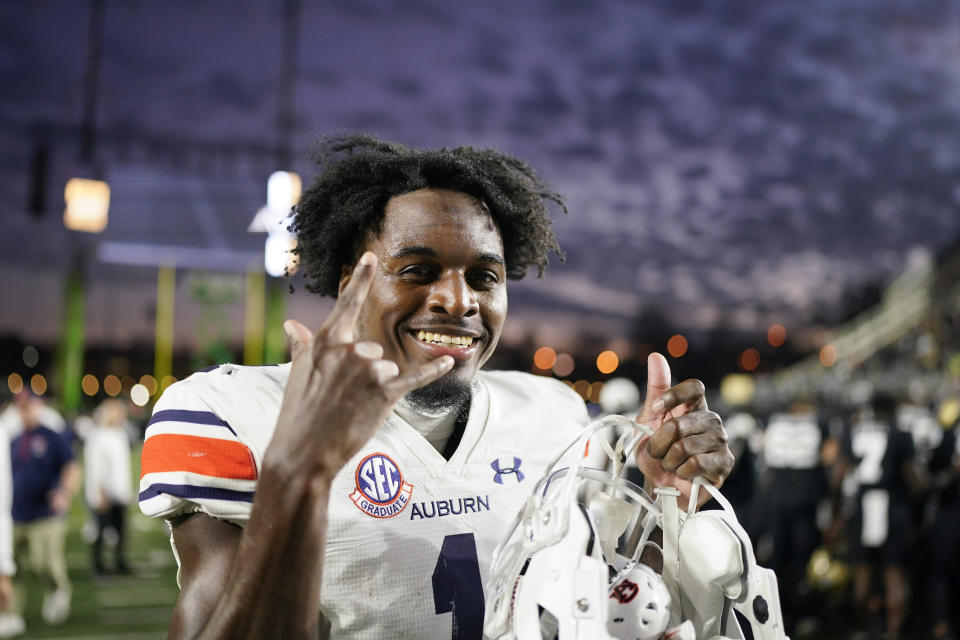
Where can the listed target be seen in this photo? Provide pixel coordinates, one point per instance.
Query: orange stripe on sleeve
(195, 454)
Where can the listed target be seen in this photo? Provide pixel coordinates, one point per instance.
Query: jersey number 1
(457, 588)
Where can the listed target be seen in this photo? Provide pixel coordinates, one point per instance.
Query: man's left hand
(689, 441)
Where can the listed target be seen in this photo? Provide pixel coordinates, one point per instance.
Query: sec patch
(381, 491)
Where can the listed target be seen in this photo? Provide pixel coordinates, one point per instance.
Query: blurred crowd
(855, 507)
(40, 474)
(857, 511)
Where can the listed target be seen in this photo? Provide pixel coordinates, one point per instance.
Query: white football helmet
(570, 566)
(639, 604)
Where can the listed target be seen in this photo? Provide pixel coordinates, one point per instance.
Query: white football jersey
(792, 441)
(410, 534)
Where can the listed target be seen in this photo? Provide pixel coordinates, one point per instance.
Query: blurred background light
(15, 383)
(31, 356)
(139, 395)
(149, 382)
(749, 359)
(283, 190)
(619, 395)
(677, 346)
(544, 358)
(596, 388)
(563, 366)
(737, 389)
(828, 355)
(582, 387)
(948, 413)
(90, 384)
(38, 384)
(278, 256)
(607, 361)
(776, 335)
(111, 385)
(87, 204)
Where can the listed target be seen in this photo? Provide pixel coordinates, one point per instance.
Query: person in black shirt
(879, 462)
(792, 485)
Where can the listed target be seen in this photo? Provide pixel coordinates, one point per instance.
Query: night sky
(724, 162)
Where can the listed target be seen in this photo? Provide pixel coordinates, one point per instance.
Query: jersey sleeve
(193, 460)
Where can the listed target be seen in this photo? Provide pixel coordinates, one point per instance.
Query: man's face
(30, 408)
(440, 288)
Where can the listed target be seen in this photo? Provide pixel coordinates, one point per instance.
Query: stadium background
(766, 191)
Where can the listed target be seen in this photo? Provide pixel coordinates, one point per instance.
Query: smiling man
(359, 491)
(440, 291)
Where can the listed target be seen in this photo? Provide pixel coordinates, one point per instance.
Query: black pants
(795, 536)
(114, 518)
(945, 561)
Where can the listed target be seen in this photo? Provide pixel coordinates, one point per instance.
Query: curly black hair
(360, 173)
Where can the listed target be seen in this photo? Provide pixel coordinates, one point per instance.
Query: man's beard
(440, 396)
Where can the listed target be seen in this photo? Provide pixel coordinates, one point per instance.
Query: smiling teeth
(443, 338)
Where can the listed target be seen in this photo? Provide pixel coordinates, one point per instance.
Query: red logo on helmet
(625, 592)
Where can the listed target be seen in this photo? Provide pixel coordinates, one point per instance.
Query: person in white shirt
(107, 483)
(11, 419)
(10, 623)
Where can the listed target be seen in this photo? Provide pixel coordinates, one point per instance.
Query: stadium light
(283, 191)
(278, 256)
(737, 389)
(87, 205)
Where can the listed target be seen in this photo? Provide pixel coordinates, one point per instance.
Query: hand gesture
(339, 389)
(689, 441)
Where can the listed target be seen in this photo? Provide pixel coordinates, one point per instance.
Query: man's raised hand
(689, 441)
(339, 389)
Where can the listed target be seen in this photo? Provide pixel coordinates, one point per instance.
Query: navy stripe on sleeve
(193, 417)
(197, 493)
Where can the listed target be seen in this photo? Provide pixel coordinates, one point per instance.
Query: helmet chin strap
(670, 523)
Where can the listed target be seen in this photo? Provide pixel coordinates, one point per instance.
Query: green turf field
(136, 606)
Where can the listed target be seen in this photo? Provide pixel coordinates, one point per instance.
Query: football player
(359, 490)
(795, 446)
(882, 469)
